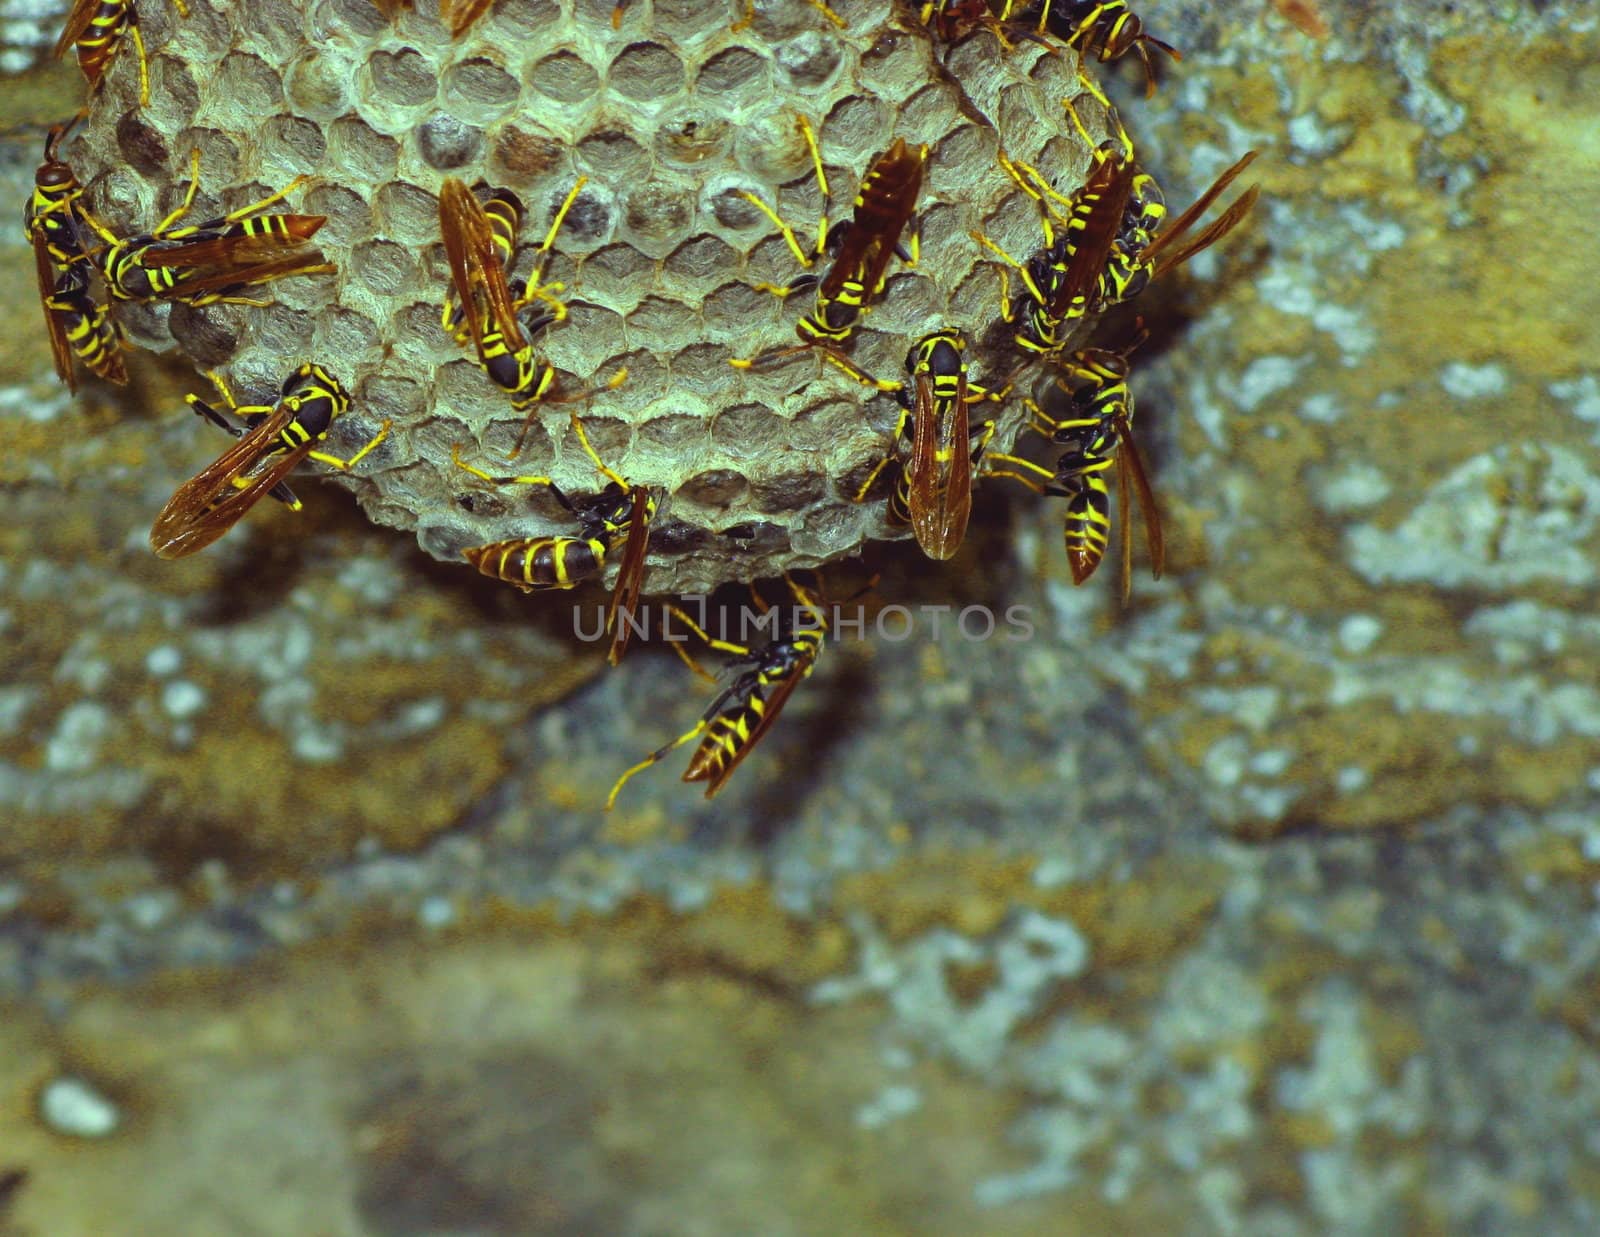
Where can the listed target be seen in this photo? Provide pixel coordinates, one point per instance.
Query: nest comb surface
(669, 117)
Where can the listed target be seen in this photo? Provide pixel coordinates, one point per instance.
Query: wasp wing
(1131, 467)
(60, 350)
(230, 247)
(214, 500)
(78, 19)
(307, 262)
(884, 205)
(1224, 223)
(1096, 219)
(475, 268)
(941, 472)
(630, 576)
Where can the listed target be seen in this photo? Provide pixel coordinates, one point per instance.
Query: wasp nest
(670, 114)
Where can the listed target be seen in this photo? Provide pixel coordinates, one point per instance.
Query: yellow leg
(165, 225)
(583, 438)
(455, 458)
(655, 757)
(838, 22)
(144, 65)
(711, 642)
(333, 461)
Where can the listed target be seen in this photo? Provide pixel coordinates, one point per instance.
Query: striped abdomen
(532, 563)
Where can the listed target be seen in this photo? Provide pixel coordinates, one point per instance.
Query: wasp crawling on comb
(538, 563)
(486, 306)
(743, 711)
(273, 439)
(933, 493)
(77, 325)
(212, 261)
(97, 28)
(1106, 29)
(860, 249)
(1097, 432)
(1143, 248)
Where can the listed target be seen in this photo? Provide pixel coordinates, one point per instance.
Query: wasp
(486, 307)
(1097, 433)
(208, 262)
(744, 710)
(934, 490)
(97, 28)
(76, 324)
(539, 563)
(1105, 29)
(860, 247)
(1137, 257)
(273, 439)
(1105, 242)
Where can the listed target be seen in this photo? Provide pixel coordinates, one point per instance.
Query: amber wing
(1109, 184)
(475, 268)
(212, 502)
(885, 204)
(630, 576)
(941, 493)
(78, 19)
(60, 350)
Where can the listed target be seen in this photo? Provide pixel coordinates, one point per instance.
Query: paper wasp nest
(668, 117)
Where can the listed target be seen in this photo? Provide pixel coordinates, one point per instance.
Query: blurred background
(1265, 905)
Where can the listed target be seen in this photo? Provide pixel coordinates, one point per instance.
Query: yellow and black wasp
(1096, 432)
(486, 305)
(273, 439)
(1104, 243)
(76, 324)
(539, 563)
(209, 262)
(97, 28)
(743, 711)
(1105, 29)
(933, 492)
(860, 247)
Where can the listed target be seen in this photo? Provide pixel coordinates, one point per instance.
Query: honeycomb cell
(361, 152)
(647, 71)
(688, 139)
(315, 88)
(251, 82)
(408, 214)
(734, 77)
(521, 155)
(564, 77)
(479, 89)
(349, 217)
(689, 21)
(383, 267)
(699, 265)
(402, 78)
(208, 336)
(446, 143)
(809, 63)
(716, 487)
(142, 146)
(287, 143)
